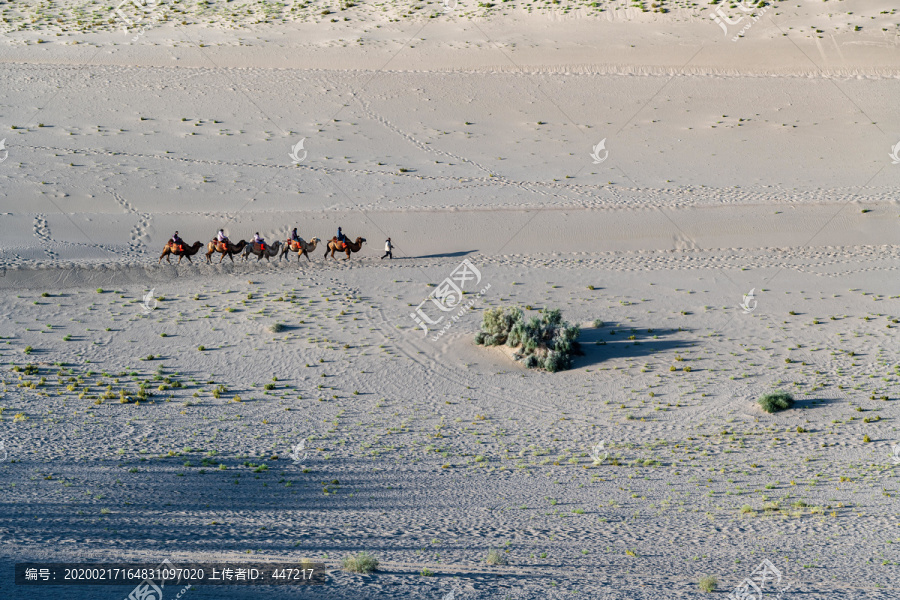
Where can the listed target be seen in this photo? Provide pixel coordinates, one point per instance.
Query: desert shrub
(708, 583)
(545, 342)
(556, 361)
(495, 557)
(775, 401)
(496, 325)
(361, 562)
(276, 327)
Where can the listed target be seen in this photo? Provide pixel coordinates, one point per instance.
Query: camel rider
(177, 241)
(341, 237)
(222, 239)
(295, 239)
(258, 240)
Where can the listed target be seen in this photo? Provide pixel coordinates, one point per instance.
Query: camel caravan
(259, 247)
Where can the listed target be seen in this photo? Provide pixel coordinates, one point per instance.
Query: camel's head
(361, 240)
(315, 240)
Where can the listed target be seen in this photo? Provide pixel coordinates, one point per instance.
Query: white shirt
(387, 246)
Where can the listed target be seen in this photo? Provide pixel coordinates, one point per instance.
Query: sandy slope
(758, 164)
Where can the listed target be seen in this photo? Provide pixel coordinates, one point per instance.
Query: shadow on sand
(600, 344)
(443, 255)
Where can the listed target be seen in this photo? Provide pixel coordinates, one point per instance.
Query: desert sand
(715, 207)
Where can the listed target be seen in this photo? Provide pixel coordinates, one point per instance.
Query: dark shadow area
(807, 403)
(444, 255)
(598, 344)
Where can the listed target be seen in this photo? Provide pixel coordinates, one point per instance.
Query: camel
(181, 251)
(348, 247)
(300, 248)
(268, 251)
(217, 246)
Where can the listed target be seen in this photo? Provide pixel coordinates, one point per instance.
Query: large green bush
(545, 342)
(775, 401)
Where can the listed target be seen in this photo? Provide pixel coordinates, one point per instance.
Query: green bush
(546, 342)
(361, 562)
(496, 325)
(776, 401)
(708, 583)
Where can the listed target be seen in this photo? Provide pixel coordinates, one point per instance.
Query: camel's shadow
(443, 255)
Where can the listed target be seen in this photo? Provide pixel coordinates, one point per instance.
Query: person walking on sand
(387, 249)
